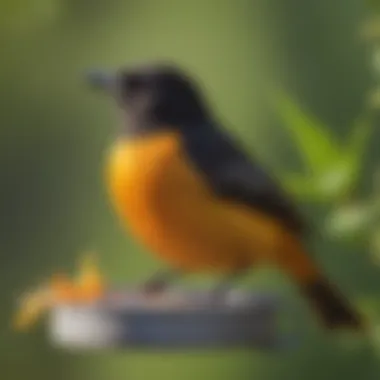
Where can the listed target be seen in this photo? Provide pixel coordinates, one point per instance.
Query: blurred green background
(319, 135)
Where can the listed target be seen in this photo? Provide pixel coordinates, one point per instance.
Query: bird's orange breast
(165, 203)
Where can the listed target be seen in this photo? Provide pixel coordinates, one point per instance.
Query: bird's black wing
(234, 176)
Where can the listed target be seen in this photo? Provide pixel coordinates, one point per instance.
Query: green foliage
(355, 149)
(313, 140)
(355, 220)
(332, 169)
(301, 187)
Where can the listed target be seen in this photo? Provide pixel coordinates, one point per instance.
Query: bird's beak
(102, 80)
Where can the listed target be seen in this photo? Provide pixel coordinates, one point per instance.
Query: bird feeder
(85, 315)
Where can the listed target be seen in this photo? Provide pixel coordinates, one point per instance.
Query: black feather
(236, 177)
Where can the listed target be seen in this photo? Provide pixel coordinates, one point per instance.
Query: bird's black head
(155, 97)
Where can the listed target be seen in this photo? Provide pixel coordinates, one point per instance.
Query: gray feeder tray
(174, 319)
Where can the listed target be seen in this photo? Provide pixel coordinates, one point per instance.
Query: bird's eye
(133, 83)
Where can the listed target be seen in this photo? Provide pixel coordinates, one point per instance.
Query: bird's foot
(219, 294)
(154, 287)
(159, 282)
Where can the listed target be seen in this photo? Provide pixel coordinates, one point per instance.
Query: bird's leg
(218, 294)
(160, 281)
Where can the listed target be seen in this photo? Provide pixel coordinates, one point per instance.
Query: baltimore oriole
(190, 194)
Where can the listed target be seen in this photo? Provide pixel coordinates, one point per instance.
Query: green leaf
(324, 188)
(298, 185)
(303, 188)
(355, 149)
(335, 181)
(314, 141)
(370, 307)
(359, 137)
(353, 220)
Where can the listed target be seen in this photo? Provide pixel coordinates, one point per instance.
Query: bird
(188, 191)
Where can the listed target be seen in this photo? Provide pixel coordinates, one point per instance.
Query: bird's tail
(332, 307)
